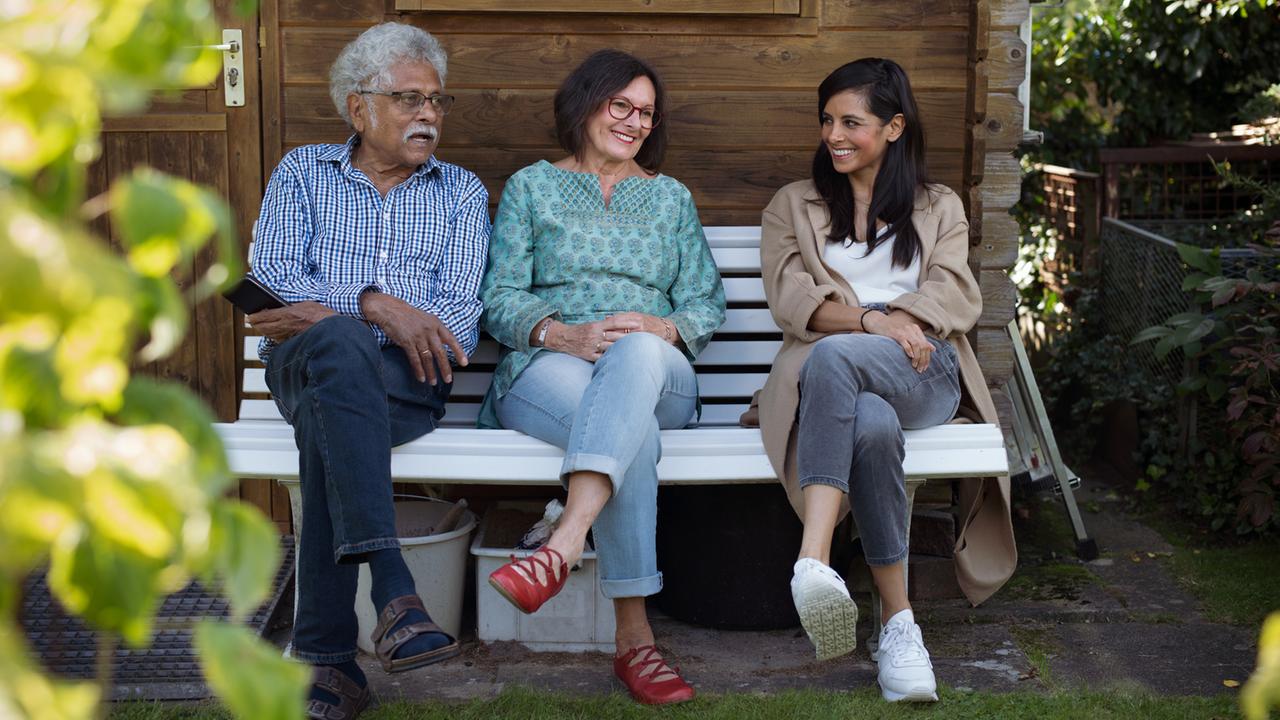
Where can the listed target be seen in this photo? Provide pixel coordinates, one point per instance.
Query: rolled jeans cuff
(638, 587)
(603, 464)
(839, 484)
(891, 560)
(344, 552)
(324, 658)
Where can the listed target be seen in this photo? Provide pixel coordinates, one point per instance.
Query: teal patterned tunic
(557, 250)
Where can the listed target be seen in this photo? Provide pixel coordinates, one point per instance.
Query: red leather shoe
(521, 583)
(649, 679)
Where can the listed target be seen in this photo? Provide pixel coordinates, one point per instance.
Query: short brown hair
(602, 75)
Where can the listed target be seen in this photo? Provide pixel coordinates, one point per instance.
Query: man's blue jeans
(607, 415)
(349, 401)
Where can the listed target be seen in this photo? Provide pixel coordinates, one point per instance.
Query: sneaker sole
(918, 695)
(830, 619)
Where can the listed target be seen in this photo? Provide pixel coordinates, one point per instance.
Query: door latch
(232, 48)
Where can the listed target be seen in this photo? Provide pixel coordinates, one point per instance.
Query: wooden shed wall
(743, 119)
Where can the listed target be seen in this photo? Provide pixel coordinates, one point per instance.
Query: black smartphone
(251, 296)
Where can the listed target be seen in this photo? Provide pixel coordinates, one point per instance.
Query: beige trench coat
(796, 281)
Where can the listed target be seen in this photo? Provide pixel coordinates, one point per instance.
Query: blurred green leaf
(26, 693)
(163, 221)
(250, 675)
(148, 401)
(112, 587)
(244, 552)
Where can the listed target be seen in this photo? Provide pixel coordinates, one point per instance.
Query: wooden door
(194, 135)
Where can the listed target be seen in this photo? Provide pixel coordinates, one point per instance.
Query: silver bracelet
(542, 333)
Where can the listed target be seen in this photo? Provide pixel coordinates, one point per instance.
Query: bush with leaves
(1231, 341)
(116, 484)
(1125, 73)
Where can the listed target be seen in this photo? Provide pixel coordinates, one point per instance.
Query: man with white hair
(380, 248)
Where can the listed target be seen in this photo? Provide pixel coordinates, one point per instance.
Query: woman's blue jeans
(607, 416)
(349, 401)
(857, 393)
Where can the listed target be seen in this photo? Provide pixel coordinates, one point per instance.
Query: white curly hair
(365, 63)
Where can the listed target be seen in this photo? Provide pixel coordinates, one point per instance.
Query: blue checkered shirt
(326, 234)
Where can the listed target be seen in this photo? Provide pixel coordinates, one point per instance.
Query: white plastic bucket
(438, 563)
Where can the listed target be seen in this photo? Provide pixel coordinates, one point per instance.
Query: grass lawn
(1237, 584)
(864, 704)
(1238, 581)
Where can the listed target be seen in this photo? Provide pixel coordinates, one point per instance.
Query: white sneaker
(828, 614)
(905, 670)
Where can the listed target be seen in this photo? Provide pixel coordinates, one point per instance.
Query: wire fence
(1142, 277)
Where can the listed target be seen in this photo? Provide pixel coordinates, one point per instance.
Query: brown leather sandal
(352, 699)
(386, 643)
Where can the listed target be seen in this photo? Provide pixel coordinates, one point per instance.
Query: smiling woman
(602, 288)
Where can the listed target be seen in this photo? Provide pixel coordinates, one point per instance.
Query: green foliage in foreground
(864, 704)
(115, 484)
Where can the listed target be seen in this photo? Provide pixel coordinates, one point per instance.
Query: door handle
(232, 67)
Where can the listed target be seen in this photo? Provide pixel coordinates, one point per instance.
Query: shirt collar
(341, 154)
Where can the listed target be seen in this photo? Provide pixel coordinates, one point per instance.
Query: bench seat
(733, 366)
(704, 455)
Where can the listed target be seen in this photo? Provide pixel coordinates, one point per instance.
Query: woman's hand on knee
(590, 340)
(903, 329)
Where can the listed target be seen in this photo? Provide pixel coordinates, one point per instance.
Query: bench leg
(873, 643)
(295, 510)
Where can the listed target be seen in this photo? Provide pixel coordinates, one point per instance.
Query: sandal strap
(394, 612)
(534, 560)
(390, 643)
(651, 658)
(350, 695)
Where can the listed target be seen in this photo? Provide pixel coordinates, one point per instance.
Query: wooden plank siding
(742, 84)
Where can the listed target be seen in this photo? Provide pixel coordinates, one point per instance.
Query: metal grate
(169, 668)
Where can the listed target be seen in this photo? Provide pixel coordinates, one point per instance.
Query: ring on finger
(599, 345)
(425, 352)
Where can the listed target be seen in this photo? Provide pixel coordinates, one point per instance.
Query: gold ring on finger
(425, 352)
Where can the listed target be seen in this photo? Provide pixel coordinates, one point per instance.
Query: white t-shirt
(874, 278)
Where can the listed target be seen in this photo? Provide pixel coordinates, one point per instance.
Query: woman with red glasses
(602, 290)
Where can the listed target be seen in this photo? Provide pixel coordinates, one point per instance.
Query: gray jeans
(857, 393)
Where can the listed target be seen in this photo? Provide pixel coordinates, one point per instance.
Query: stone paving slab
(971, 656)
(1165, 658)
(1119, 622)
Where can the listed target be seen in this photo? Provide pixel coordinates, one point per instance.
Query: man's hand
(421, 335)
(280, 324)
(901, 327)
(590, 340)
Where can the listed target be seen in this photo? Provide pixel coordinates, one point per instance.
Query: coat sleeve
(949, 299)
(510, 310)
(789, 288)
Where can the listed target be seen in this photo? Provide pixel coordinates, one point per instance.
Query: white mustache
(422, 128)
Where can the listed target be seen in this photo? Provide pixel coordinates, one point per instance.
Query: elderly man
(380, 247)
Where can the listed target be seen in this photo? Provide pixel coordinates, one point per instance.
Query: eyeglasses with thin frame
(621, 108)
(411, 101)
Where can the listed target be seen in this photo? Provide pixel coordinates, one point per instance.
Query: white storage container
(438, 563)
(578, 619)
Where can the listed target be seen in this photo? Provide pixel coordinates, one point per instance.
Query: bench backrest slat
(732, 367)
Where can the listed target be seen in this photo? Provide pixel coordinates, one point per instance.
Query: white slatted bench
(732, 367)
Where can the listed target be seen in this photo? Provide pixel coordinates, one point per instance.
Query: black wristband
(861, 317)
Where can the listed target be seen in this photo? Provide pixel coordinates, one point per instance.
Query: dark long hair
(884, 85)
(602, 75)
